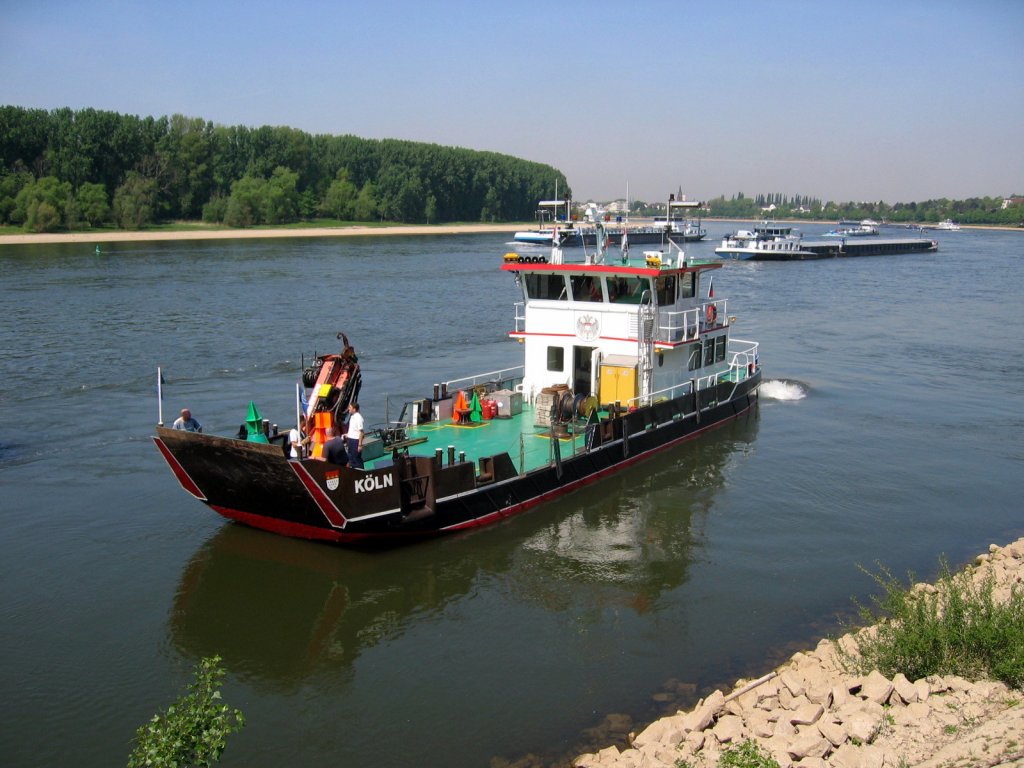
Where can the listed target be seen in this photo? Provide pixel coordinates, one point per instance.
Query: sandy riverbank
(119, 236)
(810, 713)
(248, 234)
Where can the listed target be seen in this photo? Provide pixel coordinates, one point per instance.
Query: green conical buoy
(254, 425)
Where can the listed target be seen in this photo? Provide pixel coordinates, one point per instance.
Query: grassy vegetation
(748, 754)
(956, 629)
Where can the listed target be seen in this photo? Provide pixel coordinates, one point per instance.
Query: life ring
(712, 314)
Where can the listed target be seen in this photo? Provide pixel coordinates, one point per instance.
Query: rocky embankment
(809, 713)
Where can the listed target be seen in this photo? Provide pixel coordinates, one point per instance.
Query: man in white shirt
(354, 436)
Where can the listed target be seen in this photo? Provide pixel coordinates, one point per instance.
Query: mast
(645, 346)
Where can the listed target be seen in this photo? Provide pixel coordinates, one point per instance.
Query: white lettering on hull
(373, 483)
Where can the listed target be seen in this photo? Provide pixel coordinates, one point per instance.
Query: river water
(888, 432)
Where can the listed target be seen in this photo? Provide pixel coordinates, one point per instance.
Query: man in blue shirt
(186, 422)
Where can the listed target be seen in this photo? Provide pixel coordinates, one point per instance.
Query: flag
(711, 288)
(303, 401)
(625, 242)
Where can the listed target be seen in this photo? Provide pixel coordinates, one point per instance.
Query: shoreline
(810, 712)
(121, 236)
(50, 238)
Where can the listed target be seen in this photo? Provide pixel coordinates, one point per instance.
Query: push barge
(623, 357)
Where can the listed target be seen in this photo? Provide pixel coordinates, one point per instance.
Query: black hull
(836, 250)
(257, 485)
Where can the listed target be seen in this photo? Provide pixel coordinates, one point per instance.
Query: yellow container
(618, 379)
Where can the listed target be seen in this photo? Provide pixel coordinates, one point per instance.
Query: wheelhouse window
(556, 359)
(585, 288)
(720, 349)
(665, 288)
(709, 352)
(626, 289)
(688, 285)
(695, 356)
(545, 287)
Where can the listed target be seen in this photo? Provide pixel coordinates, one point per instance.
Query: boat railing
(674, 391)
(504, 378)
(519, 309)
(684, 325)
(742, 357)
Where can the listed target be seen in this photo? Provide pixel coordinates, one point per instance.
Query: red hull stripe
(179, 471)
(283, 527)
(328, 507)
(301, 531)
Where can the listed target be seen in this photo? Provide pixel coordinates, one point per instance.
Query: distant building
(1008, 201)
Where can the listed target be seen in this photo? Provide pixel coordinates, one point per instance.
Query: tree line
(974, 210)
(69, 169)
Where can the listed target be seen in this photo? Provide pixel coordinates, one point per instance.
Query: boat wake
(782, 389)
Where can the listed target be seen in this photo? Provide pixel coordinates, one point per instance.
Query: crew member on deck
(354, 436)
(335, 450)
(298, 442)
(186, 422)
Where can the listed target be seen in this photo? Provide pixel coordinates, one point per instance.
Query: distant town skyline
(873, 101)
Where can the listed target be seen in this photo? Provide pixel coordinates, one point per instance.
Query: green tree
(281, 197)
(134, 201)
(366, 206)
(340, 200)
(194, 729)
(41, 205)
(215, 209)
(245, 206)
(93, 207)
(10, 185)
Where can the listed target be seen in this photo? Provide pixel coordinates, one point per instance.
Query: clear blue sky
(894, 101)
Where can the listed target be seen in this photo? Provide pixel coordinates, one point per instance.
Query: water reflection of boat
(276, 609)
(279, 611)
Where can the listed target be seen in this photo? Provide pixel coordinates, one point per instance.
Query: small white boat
(676, 225)
(861, 230)
(548, 233)
(948, 225)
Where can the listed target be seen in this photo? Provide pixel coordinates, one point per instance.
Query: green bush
(956, 629)
(194, 730)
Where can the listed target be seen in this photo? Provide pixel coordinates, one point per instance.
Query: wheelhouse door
(582, 372)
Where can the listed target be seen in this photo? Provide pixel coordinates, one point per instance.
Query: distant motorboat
(679, 227)
(861, 230)
(948, 225)
(549, 234)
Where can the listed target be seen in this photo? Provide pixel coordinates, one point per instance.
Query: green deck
(489, 437)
